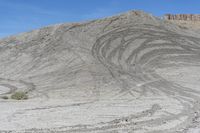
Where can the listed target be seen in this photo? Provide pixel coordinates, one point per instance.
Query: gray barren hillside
(131, 73)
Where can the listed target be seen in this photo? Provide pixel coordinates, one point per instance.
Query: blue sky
(24, 15)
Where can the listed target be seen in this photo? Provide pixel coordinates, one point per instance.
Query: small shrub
(4, 97)
(19, 96)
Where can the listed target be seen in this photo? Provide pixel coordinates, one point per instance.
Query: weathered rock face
(190, 21)
(186, 17)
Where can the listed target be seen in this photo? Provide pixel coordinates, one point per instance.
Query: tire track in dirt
(110, 54)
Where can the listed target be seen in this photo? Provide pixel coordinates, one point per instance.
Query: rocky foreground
(131, 73)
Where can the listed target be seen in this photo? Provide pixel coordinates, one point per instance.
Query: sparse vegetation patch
(19, 96)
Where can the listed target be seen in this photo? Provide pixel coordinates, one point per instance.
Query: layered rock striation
(186, 17)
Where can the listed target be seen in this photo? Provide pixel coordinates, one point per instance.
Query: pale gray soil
(132, 73)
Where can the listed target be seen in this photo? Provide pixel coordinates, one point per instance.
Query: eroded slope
(110, 75)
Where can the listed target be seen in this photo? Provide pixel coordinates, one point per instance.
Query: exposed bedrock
(186, 17)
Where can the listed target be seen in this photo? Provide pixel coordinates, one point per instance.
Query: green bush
(19, 96)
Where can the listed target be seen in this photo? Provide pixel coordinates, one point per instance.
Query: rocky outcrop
(186, 17)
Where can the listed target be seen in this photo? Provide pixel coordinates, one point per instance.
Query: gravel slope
(129, 73)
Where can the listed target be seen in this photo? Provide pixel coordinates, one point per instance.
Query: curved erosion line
(115, 124)
(11, 89)
(8, 83)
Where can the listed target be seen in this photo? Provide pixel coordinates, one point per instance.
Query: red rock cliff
(186, 17)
